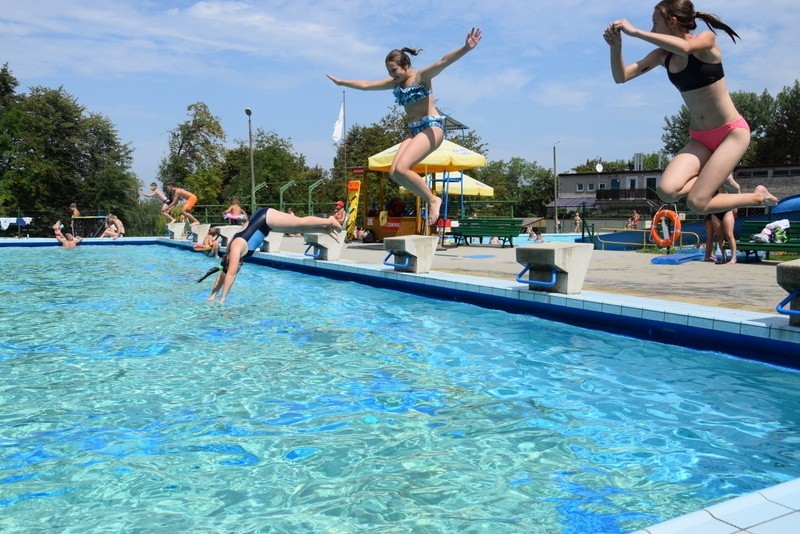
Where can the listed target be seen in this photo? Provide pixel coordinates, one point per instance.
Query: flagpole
(344, 130)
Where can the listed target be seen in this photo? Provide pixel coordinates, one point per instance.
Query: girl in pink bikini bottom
(711, 139)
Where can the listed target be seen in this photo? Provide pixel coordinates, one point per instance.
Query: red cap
(339, 204)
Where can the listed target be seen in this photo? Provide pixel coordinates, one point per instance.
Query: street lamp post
(555, 188)
(249, 112)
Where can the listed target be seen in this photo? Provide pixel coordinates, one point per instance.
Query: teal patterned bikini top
(408, 95)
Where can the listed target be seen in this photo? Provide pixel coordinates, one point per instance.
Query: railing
(641, 238)
(626, 194)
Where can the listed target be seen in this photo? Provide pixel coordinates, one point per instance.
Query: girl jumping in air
(719, 134)
(413, 90)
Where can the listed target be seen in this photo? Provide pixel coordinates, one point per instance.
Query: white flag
(339, 126)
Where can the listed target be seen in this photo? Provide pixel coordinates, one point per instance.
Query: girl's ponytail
(713, 22)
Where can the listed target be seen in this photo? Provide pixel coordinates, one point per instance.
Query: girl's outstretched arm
(619, 70)
(704, 40)
(473, 37)
(364, 85)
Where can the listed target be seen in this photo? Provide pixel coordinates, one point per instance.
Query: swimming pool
(315, 405)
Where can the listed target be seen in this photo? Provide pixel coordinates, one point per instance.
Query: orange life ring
(676, 232)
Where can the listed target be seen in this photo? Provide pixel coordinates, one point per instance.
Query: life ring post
(660, 221)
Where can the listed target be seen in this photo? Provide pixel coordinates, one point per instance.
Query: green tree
(676, 131)
(195, 148)
(54, 153)
(275, 162)
(8, 87)
(526, 183)
(781, 141)
(608, 166)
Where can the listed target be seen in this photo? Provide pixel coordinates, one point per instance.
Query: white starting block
(199, 232)
(413, 253)
(788, 273)
(325, 247)
(227, 232)
(555, 267)
(177, 230)
(272, 243)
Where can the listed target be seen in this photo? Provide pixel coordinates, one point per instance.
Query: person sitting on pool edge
(210, 244)
(244, 243)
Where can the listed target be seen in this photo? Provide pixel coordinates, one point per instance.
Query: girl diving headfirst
(413, 90)
(245, 242)
(719, 135)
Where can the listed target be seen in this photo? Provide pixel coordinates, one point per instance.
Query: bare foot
(769, 198)
(433, 210)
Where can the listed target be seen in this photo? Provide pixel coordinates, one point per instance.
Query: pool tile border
(774, 509)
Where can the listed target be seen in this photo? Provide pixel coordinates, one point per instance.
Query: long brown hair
(401, 56)
(684, 13)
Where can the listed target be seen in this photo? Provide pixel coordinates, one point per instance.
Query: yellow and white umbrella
(460, 184)
(448, 157)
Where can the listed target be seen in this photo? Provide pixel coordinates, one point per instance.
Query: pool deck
(703, 303)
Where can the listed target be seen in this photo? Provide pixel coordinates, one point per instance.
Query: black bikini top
(697, 74)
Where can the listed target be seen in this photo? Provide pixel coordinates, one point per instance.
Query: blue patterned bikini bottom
(426, 122)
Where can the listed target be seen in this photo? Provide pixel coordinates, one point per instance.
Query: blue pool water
(306, 404)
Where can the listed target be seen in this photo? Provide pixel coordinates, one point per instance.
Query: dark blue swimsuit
(256, 231)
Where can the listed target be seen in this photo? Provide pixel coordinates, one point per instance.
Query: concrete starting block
(177, 230)
(325, 247)
(788, 274)
(199, 232)
(272, 243)
(227, 232)
(413, 253)
(555, 267)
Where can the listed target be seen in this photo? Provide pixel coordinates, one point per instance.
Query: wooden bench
(505, 228)
(749, 228)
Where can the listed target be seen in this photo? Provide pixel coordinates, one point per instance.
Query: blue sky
(541, 72)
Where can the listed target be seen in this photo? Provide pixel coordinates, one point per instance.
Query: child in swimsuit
(210, 244)
(412, 89)
(178, 194)
(235, 212)
(719, 135)
(165, 201)
(246, 242)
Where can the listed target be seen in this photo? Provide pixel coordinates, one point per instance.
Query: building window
(590, 187)
(631, 183)
(601, 186)
(579, 188)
